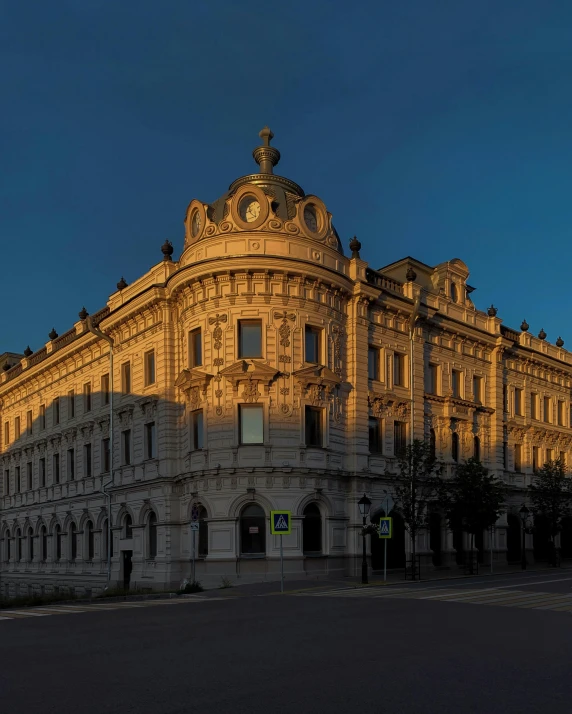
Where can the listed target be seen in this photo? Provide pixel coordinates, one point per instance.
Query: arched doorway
(435, 538)
(541, 538)
(513, 538)
(566, 538)
(395, 544)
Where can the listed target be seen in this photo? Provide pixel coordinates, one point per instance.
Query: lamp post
(524, 511)
(364, 505)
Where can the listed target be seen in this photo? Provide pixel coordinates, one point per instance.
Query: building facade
(264, 369)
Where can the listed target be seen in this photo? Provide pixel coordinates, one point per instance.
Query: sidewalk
(394, 578)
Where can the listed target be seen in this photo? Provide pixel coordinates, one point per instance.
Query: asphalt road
(295, 654)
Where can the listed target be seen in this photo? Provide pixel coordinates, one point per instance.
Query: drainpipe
(105, 485)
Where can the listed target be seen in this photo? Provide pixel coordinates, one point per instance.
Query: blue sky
(432, 129)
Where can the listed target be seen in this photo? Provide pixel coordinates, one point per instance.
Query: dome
(260, 202)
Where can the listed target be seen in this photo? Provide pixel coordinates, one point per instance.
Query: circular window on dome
(195, 224)
(311, 218)
(249, 209)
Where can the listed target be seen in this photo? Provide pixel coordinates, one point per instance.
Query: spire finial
(266, 156)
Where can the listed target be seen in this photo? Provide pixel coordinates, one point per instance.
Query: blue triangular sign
(281, 524)
(384, 528)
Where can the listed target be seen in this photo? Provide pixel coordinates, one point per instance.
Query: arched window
(455, 446)
(44, 539)
(203, 533)
(312, 529)
(252, 530)
(477, 448)
(58, 541)
(90, 540)
(432, 444)
(73, 541)
(30, 544)
(8, 547)
(128, 526)
(19, 545)
(152, 528)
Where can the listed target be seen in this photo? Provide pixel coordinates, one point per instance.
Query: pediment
(191, 378)
(317, 374)
(249, 370)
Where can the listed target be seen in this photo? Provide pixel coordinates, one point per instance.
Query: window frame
(105, 388)
(373, 363)
(126, 377)
(87, 400)
(376, 444)
(88, 460)
(242, 408)
(240, 350)
(399, 370)
(313, 333)
(195, 354)
(399, 448)
(70, 464)
(318, 426)
(126, 448)
(150, 368)
(456, 383)
(56, 411)
(197, 429)
(71, 404)
(150, 440)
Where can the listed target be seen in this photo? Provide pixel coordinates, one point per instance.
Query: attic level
(447, 279)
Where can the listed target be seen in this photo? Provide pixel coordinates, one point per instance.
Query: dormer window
(454, 293)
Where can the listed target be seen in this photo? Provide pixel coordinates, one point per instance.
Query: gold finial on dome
(266, 156)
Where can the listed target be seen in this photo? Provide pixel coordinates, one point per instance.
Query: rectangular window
(313, 426)
(547, 408)
(6, 433)
(518, 402)
(250, 338)
(549, 454)
(505, 455)
(432, 375)
(478, 389)
(87, 470)
(18, 483)
(87, 397)
(105, 455)
(399, 437)
(456, 383)
(505, 398)
(56, 467)
(373, 363)
(561, 413)
(562, 457)
(6, 482)
(149, 368)
(126, 447)
(312, 345)
(71, 404)
(518, 458)
(42, 417)
(534, 406)
(251, 418)
(375, 440)
(105, 389)
(197, 430)
(398, 370)
(535, 459)
(150, 440)
(195, 348)
(42, 472)
(56, 410)
(126, 378)
(71, 465)
(17, 427)
(29, 422)
(29, 477)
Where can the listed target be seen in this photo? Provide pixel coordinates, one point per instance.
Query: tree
(414, 487)
(472, 499)
(551, 495)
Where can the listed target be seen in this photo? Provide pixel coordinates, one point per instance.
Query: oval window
(311, 218)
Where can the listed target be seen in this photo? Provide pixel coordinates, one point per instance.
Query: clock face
(311, 219)
(195, 223)
(249, 209)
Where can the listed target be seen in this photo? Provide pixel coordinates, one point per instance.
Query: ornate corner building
(262, 370)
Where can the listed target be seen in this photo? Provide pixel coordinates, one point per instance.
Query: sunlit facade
(263, 369)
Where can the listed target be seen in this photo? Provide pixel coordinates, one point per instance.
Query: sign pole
(281, 566)
(385, 560)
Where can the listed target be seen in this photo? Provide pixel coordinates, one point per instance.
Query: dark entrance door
(513, 538)
(127, 568)
(541, 538)
(435, 542)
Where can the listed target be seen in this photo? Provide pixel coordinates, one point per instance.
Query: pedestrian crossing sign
(385, 527)
(280, 522)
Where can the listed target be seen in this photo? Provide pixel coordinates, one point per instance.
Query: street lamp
(364, 505)
(524, 511)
